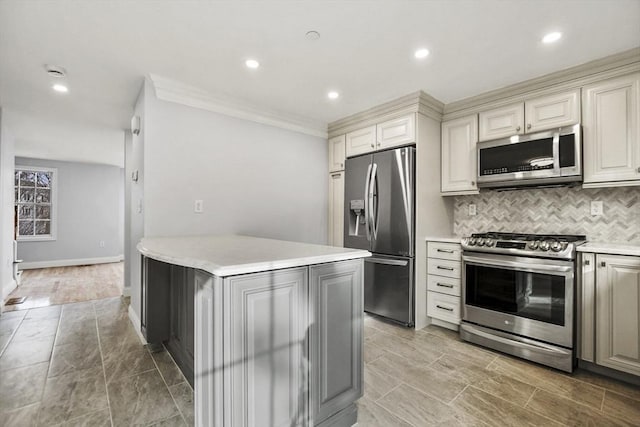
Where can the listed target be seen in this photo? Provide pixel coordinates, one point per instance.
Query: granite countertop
(446, 239)
(610, 248)
(231, 255)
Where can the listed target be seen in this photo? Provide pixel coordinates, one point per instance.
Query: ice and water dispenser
(356, 216)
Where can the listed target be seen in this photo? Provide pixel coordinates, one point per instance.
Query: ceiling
(365, 52)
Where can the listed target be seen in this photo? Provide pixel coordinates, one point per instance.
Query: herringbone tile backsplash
(564, 210)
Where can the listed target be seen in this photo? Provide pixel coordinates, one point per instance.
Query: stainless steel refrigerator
(380, 217)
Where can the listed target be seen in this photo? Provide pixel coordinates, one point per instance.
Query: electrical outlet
(472, 209)
(597, 208)
(102, 243)
(198, 206)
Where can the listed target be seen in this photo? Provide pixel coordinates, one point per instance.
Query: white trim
(53, 222)
(126, 291)
(70, 262)
(136, 323)
(173, 91)
(8, 288)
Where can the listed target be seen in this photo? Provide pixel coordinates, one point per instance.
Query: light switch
(597, 208)
(472, 209)
(198, 206)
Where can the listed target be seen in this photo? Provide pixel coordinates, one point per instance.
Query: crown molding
(416, 102)
(621, 63)
(173, 91)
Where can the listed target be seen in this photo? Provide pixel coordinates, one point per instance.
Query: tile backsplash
(563, 210)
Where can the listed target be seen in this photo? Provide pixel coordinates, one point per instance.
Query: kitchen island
(269, 332)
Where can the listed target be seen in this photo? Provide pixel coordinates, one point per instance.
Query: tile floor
(82, 364)
(430, 377)
(61, 285)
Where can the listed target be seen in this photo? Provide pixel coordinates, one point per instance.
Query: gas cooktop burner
(537, 245)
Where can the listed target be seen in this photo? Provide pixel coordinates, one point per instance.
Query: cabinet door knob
(587, 262)
(603, 264)
(341, 165)
(372, 146)
(529, 126)
(473, 183)
(638, 169)
(518, 129)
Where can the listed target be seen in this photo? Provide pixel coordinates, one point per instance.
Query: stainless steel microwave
(542, 158)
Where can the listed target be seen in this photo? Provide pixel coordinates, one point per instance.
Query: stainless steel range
(519, 295)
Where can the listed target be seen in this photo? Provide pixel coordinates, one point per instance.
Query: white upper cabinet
(336, 153)
(459, 165)
(552, 111)
(361, 141)
(502, 122)
(533, 115)
(611, 128)
(393, 133)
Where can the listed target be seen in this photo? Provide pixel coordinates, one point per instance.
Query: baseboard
(136, 323)
(443, 324)
(70, 262)
(8, 288)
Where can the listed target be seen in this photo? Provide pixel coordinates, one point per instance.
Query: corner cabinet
(459, 164)
(618, 312)
(611, 129)
(336, 209)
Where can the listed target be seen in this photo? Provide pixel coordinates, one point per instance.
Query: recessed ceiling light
(333, 95)
(552, 37)
(60, 88)
(312, 35)
(421, 53)
(252, 63)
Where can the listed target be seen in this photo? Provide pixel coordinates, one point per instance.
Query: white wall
(6, 207)
(254, 179)
(89, 210)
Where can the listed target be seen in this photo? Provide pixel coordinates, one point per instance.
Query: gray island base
(269, 333)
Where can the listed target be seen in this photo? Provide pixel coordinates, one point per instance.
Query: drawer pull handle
(446, 251)
(444, 268)
(444, 285)
(444, 308)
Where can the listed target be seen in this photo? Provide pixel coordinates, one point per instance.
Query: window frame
(52, 236)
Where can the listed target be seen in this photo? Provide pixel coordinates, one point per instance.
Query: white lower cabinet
(618, 312)
(444, 268)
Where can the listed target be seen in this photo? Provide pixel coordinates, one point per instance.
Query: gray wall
(89, 208)
(7, 147)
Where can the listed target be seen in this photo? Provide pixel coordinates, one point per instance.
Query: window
(35, 196)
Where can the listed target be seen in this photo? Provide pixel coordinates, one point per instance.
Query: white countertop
(610, 248)
(231, 255)
(446, 239)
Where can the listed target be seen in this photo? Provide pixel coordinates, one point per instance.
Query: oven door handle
(518, 265)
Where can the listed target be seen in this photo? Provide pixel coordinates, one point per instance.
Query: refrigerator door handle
(373, 208)
(367, 223)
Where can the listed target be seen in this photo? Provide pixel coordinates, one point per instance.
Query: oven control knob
(534, 244)
(556, 246)
(544, 245)
(481, 241)
(489, 243)
(472, 241)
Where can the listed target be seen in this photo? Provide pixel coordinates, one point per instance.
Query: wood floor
(430, 377)
(62, 285)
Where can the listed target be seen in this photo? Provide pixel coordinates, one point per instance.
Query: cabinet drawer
(443, 267)
(440, 250)
(443, 307)
(446, 285)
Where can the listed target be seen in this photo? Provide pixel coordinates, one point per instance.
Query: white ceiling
(365, 52)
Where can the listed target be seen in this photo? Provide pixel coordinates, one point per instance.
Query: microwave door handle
(524, 266)
(556, 153)
(367, 223)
